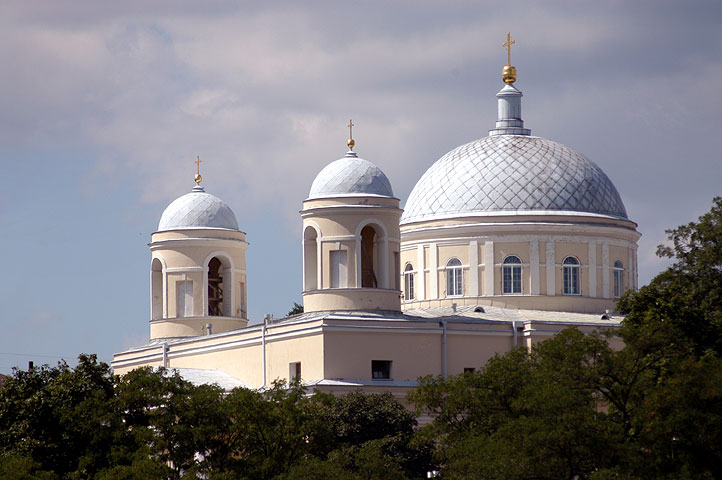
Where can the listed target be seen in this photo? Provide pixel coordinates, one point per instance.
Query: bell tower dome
(351, 238)
(198, 268)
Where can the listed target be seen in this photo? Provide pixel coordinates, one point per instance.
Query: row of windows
(380, 370)
(511, 277)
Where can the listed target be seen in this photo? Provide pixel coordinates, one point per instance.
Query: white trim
(583, 237)
(183, 269)
(338, 238)
(172, 243)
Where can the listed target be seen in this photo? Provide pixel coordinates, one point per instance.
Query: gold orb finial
(350, 142)
(197, 178)
(508, 74)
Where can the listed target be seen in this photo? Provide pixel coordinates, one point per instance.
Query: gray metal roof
(350, 176)
(512, 174)
(197, 210)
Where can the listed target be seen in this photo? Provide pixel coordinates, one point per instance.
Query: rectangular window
(184, 298)
(618, 279)
(338, 269)
(408, 286)
(381, 369)
(469, 369)
(294, 371)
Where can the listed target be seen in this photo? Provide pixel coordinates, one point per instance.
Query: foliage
(297, 308)
(84, 423)
(688, 295)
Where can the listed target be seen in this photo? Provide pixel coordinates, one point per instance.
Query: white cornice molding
(197, 242)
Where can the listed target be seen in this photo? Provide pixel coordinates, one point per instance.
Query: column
(421, 277)
(474, 268)
(534, 266)
(433, 271)
(592, 269)
(551, 269)
(605, 270)
(489, 268)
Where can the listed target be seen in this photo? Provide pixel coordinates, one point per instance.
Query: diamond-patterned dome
(512, 173)
(197, 210)
(350, 175)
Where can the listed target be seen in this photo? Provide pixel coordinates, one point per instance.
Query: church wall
(349, 354)
(308, 350)
(474, 350)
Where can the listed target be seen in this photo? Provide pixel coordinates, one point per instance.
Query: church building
(503, 242)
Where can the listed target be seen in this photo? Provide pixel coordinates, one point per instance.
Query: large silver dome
(197, 210)
(512, 174)
(350, 176)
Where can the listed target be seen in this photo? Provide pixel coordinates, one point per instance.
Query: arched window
(310, 259)
(511, 275)
(618, 279)
(408, 282)
(570, 272)
(215, 287)
(368, 256)
(454, 286)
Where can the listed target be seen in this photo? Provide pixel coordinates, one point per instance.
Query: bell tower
(351, 238)
(198, 268)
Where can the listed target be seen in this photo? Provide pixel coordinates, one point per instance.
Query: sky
(105, 105)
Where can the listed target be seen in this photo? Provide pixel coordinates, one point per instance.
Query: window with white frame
(409, 282)
(618, 279)
(454, 286)
(511, 275)
(294, 371)
(570, 274)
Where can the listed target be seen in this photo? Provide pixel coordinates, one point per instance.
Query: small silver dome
(197, 210)
(350, 176)
(512, 174)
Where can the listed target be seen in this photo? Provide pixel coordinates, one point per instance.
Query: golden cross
(350, 129)
(509, 42)
(198, 164)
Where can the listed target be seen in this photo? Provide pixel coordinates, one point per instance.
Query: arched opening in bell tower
(215, 287)
(156, 289)
(310, 259)
(369, 255)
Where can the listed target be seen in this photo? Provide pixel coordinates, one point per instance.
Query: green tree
(60, 418)
(688, 295)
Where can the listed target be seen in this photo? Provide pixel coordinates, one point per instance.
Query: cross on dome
(198, 179)
(509, 42)
(508, 73)
(350, 142)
